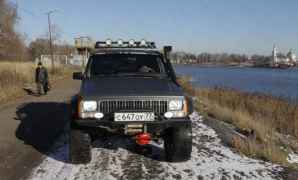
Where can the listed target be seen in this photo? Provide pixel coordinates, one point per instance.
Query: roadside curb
(226, 131)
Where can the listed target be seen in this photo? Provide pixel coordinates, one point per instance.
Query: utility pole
(50, 34)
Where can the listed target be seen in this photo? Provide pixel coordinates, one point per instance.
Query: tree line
(218, 58)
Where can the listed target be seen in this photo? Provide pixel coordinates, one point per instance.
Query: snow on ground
(293, 158)
(116, 158)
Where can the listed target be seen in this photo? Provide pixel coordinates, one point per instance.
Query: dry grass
(14, 75)
(262, 113)
(261, 117)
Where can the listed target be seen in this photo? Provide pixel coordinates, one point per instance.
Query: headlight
(89, 106)
(177, 109)
(88, 109)
(175, 105)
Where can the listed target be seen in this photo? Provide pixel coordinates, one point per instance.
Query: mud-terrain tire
(79, 147)
(178, 143)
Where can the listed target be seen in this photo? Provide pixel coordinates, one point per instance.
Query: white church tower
(274, 55)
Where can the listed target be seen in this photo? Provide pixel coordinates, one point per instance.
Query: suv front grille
(110, 106)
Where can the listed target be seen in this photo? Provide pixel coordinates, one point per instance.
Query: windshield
(129, 64)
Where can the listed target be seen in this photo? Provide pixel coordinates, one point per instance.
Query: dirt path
(29, 127)
(34, 145)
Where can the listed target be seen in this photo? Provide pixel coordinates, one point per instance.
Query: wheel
(79, 147)
(178, 143)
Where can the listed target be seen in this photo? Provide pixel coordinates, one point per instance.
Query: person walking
(41, 79)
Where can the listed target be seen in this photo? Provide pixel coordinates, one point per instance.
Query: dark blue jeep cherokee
(130, 88)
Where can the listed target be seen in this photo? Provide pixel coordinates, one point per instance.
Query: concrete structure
(83, 45)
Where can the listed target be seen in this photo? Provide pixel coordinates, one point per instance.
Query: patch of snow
(292, 158)
(114, 158)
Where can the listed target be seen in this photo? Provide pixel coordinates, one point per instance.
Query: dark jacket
(41, 75)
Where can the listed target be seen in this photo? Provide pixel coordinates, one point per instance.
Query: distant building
(279, 59)
(292, 56)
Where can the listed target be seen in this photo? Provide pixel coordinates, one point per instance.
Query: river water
(277, 82)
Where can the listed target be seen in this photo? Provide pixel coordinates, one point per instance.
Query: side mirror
(77, 75)
(167, 49)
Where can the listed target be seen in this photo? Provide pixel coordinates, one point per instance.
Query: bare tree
(12, 46)
(41, 46)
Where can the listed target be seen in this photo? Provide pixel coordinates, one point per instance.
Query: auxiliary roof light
(143, 42)
(131, 42)
(109, 42)
(120, 42)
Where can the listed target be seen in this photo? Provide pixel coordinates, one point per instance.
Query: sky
(215, 26)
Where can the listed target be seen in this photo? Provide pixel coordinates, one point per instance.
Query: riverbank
(269, 123)
(15, 76)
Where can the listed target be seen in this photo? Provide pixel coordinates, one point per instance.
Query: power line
(28, 12)
(19, 8)
(23, 9)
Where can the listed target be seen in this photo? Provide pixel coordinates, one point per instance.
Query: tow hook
(143, 138)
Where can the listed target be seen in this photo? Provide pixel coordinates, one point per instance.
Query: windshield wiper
(142, 75)
(106, 74)
(118, 74)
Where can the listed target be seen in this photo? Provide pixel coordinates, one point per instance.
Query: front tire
(79, 147)
(178, 143)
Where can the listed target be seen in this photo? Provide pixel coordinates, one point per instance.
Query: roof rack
(125, 44)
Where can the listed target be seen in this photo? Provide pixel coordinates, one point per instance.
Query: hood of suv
(129, 86)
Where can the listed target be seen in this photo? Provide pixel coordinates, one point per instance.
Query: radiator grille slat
(111, 106)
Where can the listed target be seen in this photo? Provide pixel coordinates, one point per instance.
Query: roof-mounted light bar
(125, 44)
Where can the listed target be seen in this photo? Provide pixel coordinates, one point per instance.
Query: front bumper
(152, 126)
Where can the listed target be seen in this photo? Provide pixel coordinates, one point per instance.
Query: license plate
(140, 116)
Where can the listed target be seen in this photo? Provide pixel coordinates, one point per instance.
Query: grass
(14, 75)
(270, 123)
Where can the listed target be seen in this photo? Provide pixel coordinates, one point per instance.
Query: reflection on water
(278, 82)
